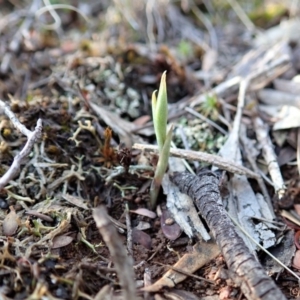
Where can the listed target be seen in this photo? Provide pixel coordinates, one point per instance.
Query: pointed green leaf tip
(160, 112)
(160, 118)
(154, 101)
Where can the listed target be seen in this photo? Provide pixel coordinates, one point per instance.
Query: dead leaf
(79, 202)
(34, 213)
(143, 225)
(288, 86)
(289, 117)
(142, 120)
(275, 97)
(286, 155)
(11, 222)
(296, 260)
(214, 297)
(144, 212)
(209, 59)
(284, 252)
(171, 231)
(142, 238)
(180, 295)
(61, 241)
(297, 208)
(203, 252)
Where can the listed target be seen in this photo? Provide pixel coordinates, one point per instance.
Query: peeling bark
(248, 273)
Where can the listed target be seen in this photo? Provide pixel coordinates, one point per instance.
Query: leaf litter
(90, 82)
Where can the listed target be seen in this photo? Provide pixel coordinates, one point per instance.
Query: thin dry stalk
(123, 262)
(215, 160)
(270, 157)
(242, 15)
(205, 119)
(129, 229)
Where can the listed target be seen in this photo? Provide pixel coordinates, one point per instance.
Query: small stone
(138, 200)
(10, 223)
(169, 221)
(3, 204)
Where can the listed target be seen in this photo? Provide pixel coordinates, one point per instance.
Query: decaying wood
(247, 271)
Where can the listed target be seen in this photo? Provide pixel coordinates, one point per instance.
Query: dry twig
(129, 229)
(123, 262)
(270, 157)
(32, 136)
(215, 160)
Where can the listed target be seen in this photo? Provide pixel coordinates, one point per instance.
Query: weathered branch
(32, 136)
(248, 273)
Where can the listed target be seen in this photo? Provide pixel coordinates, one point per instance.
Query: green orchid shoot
(160, 112)
(160, 117)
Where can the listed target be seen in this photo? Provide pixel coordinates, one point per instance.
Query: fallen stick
(247, 271)
(216, 160)
(262, 134)
(32, 137)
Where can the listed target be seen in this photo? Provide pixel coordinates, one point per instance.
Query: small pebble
(169, 221)
(138, 200)
(10, 223)
(3, 204)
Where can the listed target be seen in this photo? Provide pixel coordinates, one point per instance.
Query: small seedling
(160, 117)
(209, 108)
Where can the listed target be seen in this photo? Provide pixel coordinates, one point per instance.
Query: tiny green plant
(160, 117)
(210, 107)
